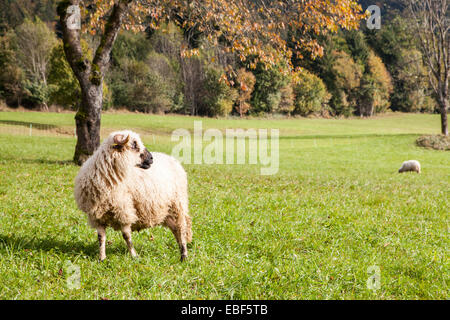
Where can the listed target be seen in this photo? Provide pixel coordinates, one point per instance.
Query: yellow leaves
(249, 30)
(297, 75)
(188, 53)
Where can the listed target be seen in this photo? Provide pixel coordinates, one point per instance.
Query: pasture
(336, 207)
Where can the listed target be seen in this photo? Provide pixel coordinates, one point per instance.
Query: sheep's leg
(188, 228)
(126, 233)
(178, 232)
(101, 232)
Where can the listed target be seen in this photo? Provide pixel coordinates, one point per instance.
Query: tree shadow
(35, 125)
(348, 136)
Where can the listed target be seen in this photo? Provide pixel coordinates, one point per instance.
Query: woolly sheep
(123, 186)
(410, 165)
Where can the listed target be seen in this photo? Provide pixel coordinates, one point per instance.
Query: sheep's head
(128, 145)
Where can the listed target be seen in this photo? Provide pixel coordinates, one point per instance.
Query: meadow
(336, 209)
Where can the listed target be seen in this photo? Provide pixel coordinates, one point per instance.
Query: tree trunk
(432, 28)
(444, 123)
(89, 74)
(87, 122)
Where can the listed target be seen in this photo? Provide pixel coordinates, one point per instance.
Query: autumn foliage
(246, 81)
(252, 30)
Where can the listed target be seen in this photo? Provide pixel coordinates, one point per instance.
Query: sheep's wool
(410, 165)
(113, 191)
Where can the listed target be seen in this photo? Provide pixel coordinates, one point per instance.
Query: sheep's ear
(119, 139)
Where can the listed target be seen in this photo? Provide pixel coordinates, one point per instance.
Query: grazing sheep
(410, 165)
(124, 187)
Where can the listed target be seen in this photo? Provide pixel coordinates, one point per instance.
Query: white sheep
(410, 165)
(125, 187)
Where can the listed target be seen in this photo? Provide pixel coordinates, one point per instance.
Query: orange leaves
(246, 81)
(186, 52)
(252, 30)
(96, 11)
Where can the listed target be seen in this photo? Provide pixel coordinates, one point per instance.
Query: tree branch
(72, 45)
(112, 28)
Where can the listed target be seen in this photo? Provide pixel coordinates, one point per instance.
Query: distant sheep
(410, 165)
(123, 186)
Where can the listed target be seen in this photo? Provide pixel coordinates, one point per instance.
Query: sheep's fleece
(410, 165)
(125, 187)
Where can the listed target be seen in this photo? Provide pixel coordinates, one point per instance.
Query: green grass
(336, 207)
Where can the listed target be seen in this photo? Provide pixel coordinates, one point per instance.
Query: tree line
(216, 58)
(362, 72)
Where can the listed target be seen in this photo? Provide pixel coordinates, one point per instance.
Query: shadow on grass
(35, 125)
(46, 161)
(349, 136)
(41, 161)
(17, 243)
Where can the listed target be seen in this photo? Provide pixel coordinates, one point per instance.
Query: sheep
(410, 165)
(124, 186)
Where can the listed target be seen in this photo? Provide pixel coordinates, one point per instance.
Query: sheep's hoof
(183, 257)
(101, 259)
(134, 256)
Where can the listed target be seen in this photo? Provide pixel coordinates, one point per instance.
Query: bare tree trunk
(432, 28)
(90, 75)
(444, 105)
(87, 122)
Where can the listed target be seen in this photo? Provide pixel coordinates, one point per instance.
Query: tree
(65, 88)
(33, 43)
(413, 76)
(67, 91)
(138, 87)
(432, 27)
(266, 95)
(246, 81)
(396, 45)
(14, 12)
(286, 105)
(376, 86)
(11, 77)
(311, 94)
(347, 82)
(143, 79)
(217, 98)
(250, 29)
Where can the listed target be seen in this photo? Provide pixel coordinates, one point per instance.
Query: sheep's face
(128, 144)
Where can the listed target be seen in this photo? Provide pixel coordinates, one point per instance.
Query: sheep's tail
(188, 228)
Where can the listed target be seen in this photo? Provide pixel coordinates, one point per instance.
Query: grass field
(336, 207)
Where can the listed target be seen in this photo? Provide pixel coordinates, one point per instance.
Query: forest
(360, 73)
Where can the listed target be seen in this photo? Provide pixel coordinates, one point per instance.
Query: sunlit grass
(336, 207)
